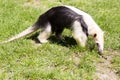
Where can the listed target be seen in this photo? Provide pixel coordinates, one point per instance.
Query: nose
(100, 51)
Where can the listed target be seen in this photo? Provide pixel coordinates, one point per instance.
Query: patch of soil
(104, 69)
(32, 3)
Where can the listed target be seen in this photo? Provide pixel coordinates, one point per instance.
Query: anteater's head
(99, 40)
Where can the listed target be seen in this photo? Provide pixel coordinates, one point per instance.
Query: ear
(94, 35)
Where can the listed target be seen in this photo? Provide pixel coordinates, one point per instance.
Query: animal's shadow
(65, 41)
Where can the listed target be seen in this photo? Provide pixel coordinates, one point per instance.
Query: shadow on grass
(66, 41)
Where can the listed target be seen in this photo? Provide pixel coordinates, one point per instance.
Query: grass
(57, 60)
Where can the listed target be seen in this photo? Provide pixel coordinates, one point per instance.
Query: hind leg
(45, 34)
(78, 34)
(58, 33)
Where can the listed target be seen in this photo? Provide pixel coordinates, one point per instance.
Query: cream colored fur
(93, 28)
(78, 34)
(45, 34)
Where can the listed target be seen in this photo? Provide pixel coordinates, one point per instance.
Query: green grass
(57, 60)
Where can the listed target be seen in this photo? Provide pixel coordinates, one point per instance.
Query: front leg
(80, 39)
(78, 34)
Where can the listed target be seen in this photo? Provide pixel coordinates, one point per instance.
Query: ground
(24, 59)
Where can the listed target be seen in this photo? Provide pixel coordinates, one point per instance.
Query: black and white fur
(60, 17)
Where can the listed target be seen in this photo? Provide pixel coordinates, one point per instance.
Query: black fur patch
(61, 17)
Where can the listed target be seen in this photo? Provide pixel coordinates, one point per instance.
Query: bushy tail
(24, 33)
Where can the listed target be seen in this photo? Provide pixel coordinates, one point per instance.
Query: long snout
(100, 49)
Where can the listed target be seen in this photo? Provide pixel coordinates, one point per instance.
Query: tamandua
(56, 19)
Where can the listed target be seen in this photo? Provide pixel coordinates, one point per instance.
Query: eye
(95, 35)
(97, 44)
